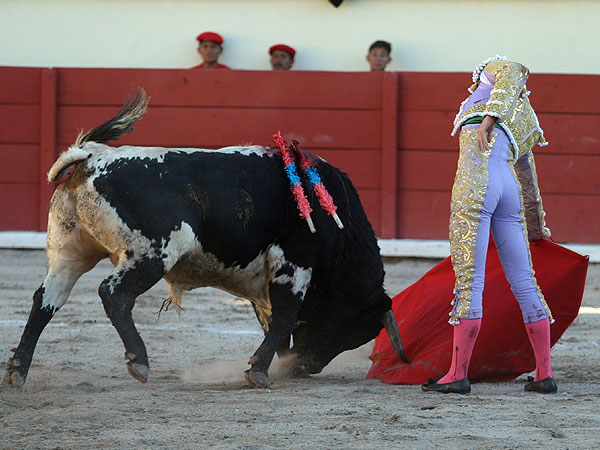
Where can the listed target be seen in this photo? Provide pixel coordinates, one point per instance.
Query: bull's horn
(391, 326)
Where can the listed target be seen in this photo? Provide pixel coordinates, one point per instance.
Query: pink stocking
(539, 336)
(465, 335)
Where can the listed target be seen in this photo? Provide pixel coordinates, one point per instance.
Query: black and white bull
(224, 218)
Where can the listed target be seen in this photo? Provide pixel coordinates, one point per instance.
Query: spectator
(379, 55)
(282, 57)
(210, 48)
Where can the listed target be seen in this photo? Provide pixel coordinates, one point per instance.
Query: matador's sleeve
(510, 82)
(532, 199)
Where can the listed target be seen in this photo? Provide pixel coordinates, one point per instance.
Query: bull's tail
(132, 111)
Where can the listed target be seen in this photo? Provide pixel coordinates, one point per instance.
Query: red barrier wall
(388, 131)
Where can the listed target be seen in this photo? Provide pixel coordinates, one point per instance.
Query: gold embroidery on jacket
(510, 81)
(468, 193)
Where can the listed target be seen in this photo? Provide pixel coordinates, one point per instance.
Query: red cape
(502, 351)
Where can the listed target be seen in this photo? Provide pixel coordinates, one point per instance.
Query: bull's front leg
(285, 306)
(286, 293)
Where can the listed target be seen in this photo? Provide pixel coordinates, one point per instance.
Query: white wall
(546, 35)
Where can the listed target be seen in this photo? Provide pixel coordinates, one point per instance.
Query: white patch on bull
(103, 155)
(57, 287)
(299, 281)
(66, 263)
(180, 241)
(276, 259)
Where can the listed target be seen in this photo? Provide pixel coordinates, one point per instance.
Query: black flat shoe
(456, 387)
(545, 386)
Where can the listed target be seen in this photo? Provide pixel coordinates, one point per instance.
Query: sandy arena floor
(79, 394)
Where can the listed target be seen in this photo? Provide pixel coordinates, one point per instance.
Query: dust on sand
(79, 394)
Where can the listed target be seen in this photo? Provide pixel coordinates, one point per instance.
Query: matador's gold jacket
(508, 101)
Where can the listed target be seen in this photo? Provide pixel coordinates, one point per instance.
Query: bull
(223, 218)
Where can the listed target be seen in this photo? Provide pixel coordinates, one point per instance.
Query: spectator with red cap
(282, 56)
(210, 48)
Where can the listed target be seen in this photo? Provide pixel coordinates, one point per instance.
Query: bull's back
(235, 203)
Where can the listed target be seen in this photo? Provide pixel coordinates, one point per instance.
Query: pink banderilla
(295, 182)
(325, 199)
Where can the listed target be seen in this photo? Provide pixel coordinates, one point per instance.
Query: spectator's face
(209, 51)
(281, 60)
(378, 58)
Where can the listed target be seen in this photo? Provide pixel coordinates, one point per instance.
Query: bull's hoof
(13, 378)
(138, 371)
(257, 379)
(12, 375)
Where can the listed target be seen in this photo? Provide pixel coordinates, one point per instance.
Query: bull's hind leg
(130, 278)
(286, 292)
(65, 266)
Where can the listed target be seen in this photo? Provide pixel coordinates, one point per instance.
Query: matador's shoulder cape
(508, 102)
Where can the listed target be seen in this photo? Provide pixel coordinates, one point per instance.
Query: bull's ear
(391, 326)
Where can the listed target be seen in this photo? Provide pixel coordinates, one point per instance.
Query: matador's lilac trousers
(501, 212)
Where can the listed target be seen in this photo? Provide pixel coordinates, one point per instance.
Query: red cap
(283, 47)
(210, 36)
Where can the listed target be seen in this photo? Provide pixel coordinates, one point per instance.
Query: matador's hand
(484, 133)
